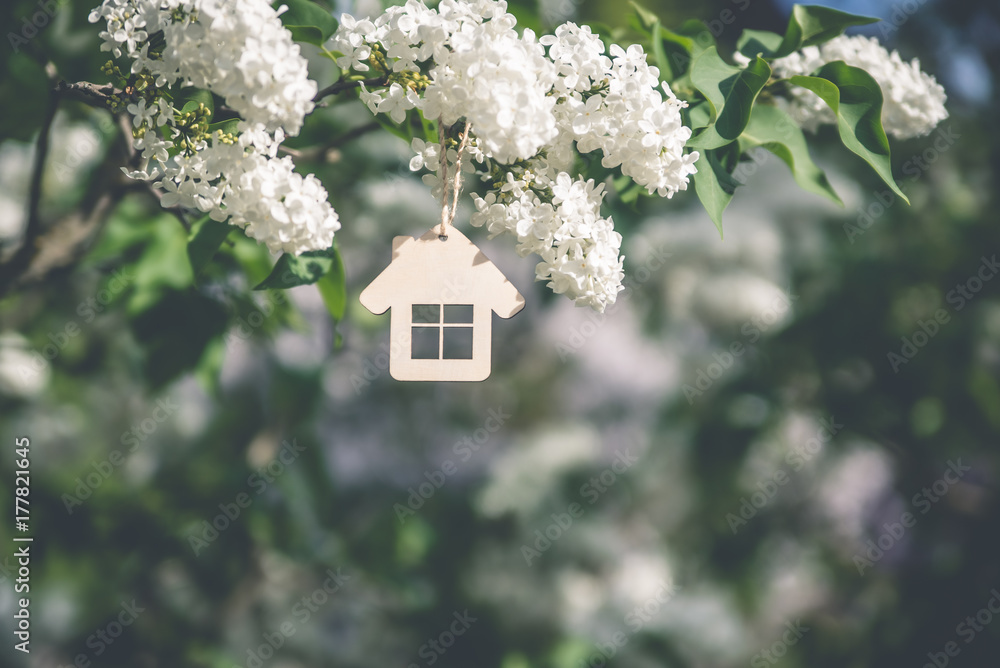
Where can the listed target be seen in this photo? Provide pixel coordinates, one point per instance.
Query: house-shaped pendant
(442, 291)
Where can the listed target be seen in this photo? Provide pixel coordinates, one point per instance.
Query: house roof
(429, 270)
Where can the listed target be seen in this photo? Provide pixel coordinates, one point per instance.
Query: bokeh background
(625, 490)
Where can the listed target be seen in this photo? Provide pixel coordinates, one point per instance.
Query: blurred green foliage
(186, 399)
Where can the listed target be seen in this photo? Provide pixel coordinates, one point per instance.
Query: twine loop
(455, 186)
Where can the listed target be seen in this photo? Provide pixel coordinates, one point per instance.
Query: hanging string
(455, 187)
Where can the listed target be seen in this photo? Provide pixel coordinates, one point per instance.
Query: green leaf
(776, 131)
(699, 115)
(642, 19)
(208, 372)
(812, 24)
(333, 287)
(162, 266)
(713, 76)
(430, 129)
(307, 21)
(754, 42)
(731, 91)
(808, 25)
(403, 131)
(527, 15)
(205, 238)
(700, 36)
(856, 99)
(628, 191)
(230, 126)
(188, 99)
(659, 54)
(291, 271)
(675, 50)
(715, 187)
(174, 332)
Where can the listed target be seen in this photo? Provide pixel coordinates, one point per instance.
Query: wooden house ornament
(443, 292)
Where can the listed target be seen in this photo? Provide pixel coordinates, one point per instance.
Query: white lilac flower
(141, 114)
(499, 83)
(534, 102)
(426, 155)
(913, 101)
(482, 71)
(396, 102)
(255, 191)
(614, 105)
(279, 207)
(579, 249)
(239, 50)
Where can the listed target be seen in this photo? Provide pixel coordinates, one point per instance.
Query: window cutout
(426, 313)
(458, 313)
(425, 343)
(457, 343)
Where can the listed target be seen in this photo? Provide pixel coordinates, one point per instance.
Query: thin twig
(89, 93)
(294, 152)
(38, 169)
(353, 133)
(63, 242)
(319, 153)
(342, 85)
(126, 127)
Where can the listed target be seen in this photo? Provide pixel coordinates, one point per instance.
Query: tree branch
(47, 248)
(88, 93)
(341, 86)
(328, 152)
(22, 258)
(353, 134)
